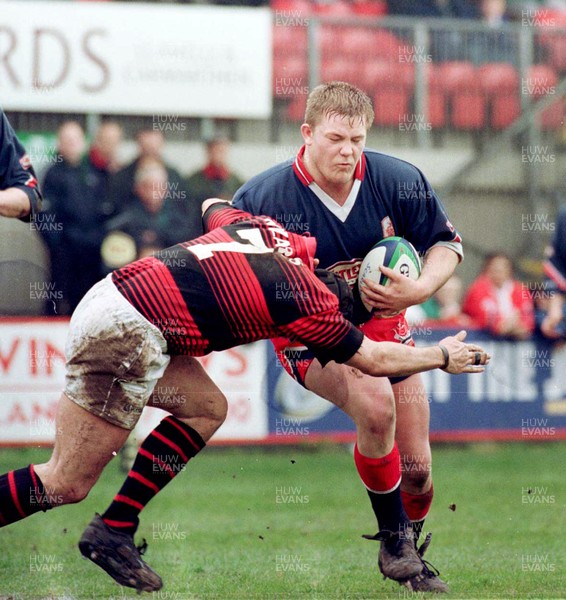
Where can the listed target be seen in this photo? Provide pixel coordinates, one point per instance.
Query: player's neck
(338, 192)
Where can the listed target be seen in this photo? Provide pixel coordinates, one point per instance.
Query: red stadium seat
(393, 83)
(542, 80)
(290, 40)
(436, 101)
(500, 83)
(333, 9)
(289, 73)
(373, 8)
(462, 86)
(296, 108)
(358, 42)
(342, 69)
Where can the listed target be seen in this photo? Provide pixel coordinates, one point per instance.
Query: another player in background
(350, 198)
(19, 193)
(553, 325)
(145, 322)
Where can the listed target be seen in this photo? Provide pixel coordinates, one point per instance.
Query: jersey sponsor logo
(348, 270)
(387, 227)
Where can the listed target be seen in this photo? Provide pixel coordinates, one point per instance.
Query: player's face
(333, 148)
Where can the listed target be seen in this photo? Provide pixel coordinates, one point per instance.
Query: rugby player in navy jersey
(350, 198)
(553, 325)
(146, 322)
(19, 193)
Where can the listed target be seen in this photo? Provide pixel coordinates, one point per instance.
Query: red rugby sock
(382, 478)
(417, 507)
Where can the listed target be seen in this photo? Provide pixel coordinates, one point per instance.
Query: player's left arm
(426, 225)
(401, 292)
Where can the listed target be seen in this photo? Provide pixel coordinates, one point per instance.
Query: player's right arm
(394, 360)
(19, 194)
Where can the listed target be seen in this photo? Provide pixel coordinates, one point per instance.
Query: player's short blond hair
(338, 98)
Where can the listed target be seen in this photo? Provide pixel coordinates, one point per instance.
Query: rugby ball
(393, 252)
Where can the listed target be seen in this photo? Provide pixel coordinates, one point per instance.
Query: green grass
(218, 531)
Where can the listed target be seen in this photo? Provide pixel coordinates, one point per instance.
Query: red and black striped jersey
(244, 280)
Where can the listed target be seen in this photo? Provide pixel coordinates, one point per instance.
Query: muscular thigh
(84, 444)
(186, 391)
(348, 388)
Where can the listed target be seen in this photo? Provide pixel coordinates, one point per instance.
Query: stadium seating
(466, 101)
(542, 80)
(500, 84)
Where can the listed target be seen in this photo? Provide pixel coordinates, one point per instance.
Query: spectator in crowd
(497, 302)
(554, 323)
(103, 159)
(19, 193)
(152, 222)
(151, 144)
(73, 202)
(434, 8)
(444, 308)
(494, 44)
(215, 179)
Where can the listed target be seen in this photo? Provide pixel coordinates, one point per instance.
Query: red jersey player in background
(146, 322)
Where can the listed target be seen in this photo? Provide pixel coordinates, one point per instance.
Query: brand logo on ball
(394, 252)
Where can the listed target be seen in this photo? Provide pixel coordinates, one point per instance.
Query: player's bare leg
(412, 435)
(369, 402)
(197, 409)
(84, 444)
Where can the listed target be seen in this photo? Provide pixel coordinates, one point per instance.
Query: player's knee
(417, 471)
(219, 410)
(378, 419)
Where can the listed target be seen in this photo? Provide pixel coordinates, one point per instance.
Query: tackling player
(146, 322)
(19, 193)
(350, 198)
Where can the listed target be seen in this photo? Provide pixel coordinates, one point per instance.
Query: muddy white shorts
(115, 356)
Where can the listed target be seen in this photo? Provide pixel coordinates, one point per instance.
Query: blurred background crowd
(472, 80)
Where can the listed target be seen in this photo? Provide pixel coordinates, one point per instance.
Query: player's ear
(306, 132)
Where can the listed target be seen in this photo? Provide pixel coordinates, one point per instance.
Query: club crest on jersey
(387, 227)
(25, 162)
(348, 270)
(401, 332)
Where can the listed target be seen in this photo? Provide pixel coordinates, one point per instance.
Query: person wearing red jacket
(499, 303)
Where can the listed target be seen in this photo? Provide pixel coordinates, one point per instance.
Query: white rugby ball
(394, 252)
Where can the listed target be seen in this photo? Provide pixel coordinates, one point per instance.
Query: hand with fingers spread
(461, 357)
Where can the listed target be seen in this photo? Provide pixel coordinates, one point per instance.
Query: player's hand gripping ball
(394, 252)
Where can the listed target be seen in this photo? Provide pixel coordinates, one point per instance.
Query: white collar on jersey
(340, 212)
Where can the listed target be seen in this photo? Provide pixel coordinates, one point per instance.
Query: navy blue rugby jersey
(389, 197)
(246, 279)
(15, 167)
(555, 263)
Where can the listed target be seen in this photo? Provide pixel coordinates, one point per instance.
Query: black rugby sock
(21, 494)
(162, 455)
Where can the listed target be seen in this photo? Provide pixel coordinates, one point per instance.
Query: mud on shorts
(296, 358)
(115, 356)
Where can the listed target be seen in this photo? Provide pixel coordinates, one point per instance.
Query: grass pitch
(287, 524)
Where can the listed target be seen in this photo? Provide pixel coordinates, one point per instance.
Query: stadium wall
(521, 396)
